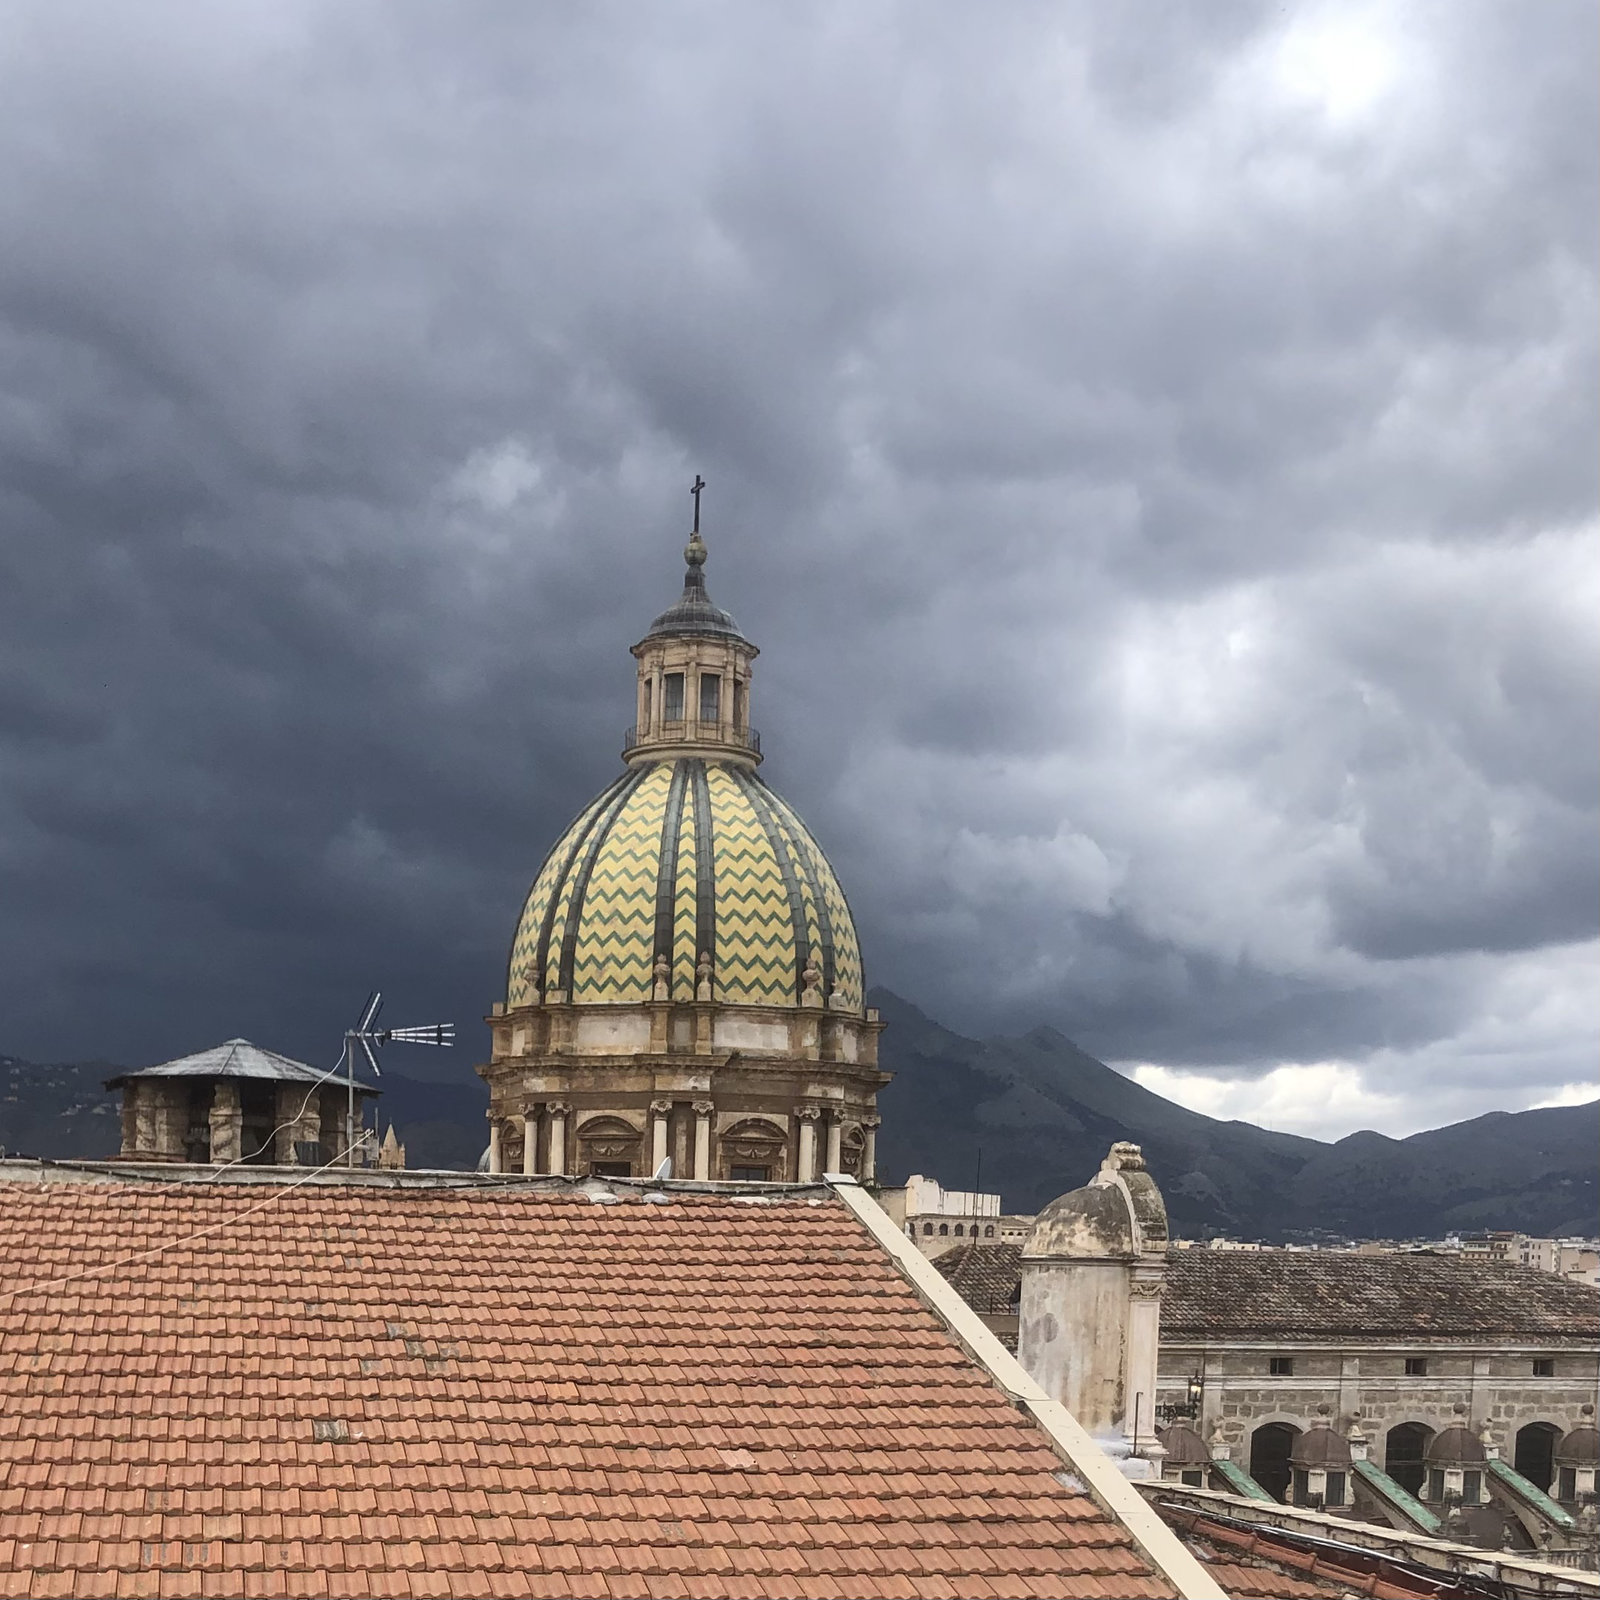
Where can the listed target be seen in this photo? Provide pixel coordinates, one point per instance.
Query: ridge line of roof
(1115, 1495)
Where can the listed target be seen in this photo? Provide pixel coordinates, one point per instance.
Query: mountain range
(1033, 1116)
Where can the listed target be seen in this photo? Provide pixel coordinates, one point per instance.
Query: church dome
(677, 858)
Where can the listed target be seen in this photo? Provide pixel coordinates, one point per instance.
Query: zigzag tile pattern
(848, 977)
(755, 955)
(684, 955)
(818, 936)
(614, 952)
(520, 979)
(612, 934)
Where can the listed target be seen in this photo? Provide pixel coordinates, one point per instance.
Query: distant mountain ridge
(1033, 1117)
(1042, 1113)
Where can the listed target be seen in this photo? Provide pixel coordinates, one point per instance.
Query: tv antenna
(369, 1038)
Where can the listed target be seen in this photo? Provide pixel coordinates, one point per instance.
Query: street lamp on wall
(1188, 1408)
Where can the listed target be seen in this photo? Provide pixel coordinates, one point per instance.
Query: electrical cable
(172, 1244)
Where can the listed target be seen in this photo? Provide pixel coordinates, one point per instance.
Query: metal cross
(699, 484)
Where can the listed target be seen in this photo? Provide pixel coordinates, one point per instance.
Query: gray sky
(1152, 444)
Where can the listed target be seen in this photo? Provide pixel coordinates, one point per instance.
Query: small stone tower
(1093, 1268)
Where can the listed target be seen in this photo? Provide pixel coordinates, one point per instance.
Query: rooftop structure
(238, 1102)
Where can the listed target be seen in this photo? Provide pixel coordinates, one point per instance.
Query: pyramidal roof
(237, 1058)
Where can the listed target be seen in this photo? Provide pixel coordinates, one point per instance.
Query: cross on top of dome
(694, 612)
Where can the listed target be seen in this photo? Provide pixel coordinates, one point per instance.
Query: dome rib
(799, 838)
(705, 864)
(780, 849)
(667, 869)
(580, 886)
(575, 832)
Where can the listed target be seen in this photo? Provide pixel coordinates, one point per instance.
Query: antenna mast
(364, 1037)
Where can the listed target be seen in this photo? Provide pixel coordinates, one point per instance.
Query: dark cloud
(1153, 450)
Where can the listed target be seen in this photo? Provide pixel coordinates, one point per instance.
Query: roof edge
(174, 1175)
(1515, 1568)
(1115, 1495)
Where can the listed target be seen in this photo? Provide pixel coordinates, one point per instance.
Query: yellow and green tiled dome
(675, 858)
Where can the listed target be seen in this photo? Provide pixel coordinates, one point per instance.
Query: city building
(1435, 1391)
(936, 1218)
(685, 982)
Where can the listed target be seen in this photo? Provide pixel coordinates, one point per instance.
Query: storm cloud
(1152, 446)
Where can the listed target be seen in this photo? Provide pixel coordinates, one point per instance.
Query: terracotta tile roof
(984, 1275)
(479, 1390)
(1258, 1564)
(1312, 1294)
(1306, 1294)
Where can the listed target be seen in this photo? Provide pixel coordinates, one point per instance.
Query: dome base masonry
(685, 983)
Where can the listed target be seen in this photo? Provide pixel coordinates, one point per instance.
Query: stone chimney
(1093, 1268)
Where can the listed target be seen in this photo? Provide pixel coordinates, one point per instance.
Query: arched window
(944, 1229)
(1404, 1450)
(960, 1231)
(988, 1230)
(672, 697)
(1270, 1445)
(927, 1228)
(1535, 1448)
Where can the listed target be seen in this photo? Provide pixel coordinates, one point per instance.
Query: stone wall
(1496, 1386)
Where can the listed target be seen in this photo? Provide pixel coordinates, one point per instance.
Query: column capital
(558, 1108)
(704, 1108)
(660, 1108)
(809, 1113)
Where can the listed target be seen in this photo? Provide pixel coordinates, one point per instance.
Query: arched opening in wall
(1404, 1450)
(1535, 1448)
(852, 1149)
(258, 1108)
(1270, 1445)
(753, 1152)
(511, 1137)
(608, 1147)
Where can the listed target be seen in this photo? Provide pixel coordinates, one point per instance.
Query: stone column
(494, 1144)
(287, 1121)
(835, 1141)
(309, 1128)
(660, 1110)
(530, 1141)
(1349, 1385)
(130, 1122)
(809, 1117)
(172, 1120)
(144, 1117)
(557, 1111)
(702, 1139)
(869, 1148)
(1139, 1358)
